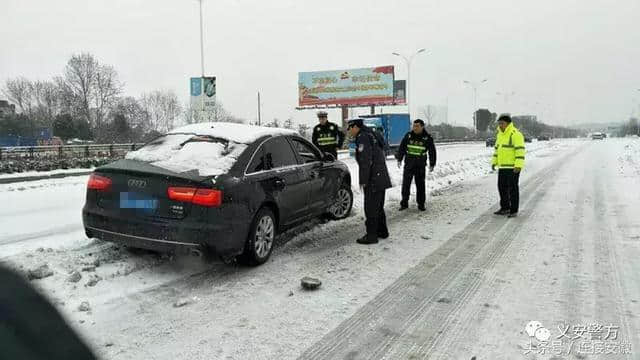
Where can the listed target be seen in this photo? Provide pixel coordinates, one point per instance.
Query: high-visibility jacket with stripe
(509, 149)
(327, 137)
(416, 148)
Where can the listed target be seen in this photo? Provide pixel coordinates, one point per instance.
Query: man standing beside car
(416, 147)
(327, 135)
(509, 158)
(374, 179)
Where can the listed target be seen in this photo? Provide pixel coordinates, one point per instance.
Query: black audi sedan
(223, 188)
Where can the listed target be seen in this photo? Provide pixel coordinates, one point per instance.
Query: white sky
(578, 60)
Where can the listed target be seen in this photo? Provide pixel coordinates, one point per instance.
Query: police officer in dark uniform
(327, 135)
(374, 179)
(415, 148)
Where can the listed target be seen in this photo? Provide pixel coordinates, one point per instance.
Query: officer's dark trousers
(416, 171)
(509, 190)
(374, 211)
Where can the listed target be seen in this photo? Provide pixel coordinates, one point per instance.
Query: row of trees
(631, 127)
(86, 101)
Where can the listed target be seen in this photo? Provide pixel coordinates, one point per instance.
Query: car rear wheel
(261, 238)
(343, 202)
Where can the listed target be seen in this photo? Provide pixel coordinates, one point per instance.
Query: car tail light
(208, 197)
(203, 197)
(183, 194)
(99, 183)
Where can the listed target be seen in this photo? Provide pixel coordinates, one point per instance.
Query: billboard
(365, 86)
(203, 92)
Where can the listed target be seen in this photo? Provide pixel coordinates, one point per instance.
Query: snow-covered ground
(42, 173)
(234, 312)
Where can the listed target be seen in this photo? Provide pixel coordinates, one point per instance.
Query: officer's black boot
(366, 241)
(403, 206)
(421, 207)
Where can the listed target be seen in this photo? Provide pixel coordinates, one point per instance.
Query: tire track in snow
(381, 324)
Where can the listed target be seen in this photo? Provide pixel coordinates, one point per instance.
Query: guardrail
(62, 151)
(111, 150)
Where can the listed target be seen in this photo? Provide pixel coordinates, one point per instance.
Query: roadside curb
(11, 180)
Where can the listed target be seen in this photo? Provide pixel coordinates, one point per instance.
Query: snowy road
(451, 283)
(569, 260)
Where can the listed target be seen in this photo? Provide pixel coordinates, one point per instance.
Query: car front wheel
(342, 204)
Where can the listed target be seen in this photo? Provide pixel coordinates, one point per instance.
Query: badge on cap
(360, 147)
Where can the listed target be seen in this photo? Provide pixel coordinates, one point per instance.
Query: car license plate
(132, 200)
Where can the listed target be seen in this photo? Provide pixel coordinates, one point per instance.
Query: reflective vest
(509, 149)
(327, 139)
(327, 136)
(417, 148)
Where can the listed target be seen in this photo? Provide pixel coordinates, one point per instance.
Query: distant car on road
(490, 142)
(597, 136)
(544, 138)
(219, 187)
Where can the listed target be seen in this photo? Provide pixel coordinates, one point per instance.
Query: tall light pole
(638, 107)
(408, 90)
(474, 86)
(201, 40)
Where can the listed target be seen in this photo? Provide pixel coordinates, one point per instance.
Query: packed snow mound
(179, 154)
(191, 148)
(238, 133)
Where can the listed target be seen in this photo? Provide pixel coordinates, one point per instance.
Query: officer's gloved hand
(493, 168)
(399, 164)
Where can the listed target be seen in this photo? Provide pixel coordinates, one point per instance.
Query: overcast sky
(567, 61)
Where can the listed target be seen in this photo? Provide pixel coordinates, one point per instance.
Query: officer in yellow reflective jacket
(509, 159)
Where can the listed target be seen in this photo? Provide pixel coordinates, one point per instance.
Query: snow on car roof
(239, 133)
(178, 152)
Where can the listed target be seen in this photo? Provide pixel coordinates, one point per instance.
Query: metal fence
(66, 151)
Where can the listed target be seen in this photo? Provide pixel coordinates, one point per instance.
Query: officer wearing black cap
(415, 148)
(327, 135)
(374, 179)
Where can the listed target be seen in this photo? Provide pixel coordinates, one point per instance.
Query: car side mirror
(329, 157)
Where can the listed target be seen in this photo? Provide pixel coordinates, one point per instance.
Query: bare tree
(78, 83)
(133, 112)
(107, 88)
(429, 113)
(47, 99)
(163, 109)
(20, 92)
(303, 130)
(215, 113)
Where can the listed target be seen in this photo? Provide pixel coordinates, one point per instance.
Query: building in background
(6, 108)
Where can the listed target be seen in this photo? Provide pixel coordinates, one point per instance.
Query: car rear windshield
(182, 152)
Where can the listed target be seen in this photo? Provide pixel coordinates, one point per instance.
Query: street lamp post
(474, 86)
(408, 90)
(201, 40)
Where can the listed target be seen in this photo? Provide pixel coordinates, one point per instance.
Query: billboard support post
(345, 116)
(258, 108)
